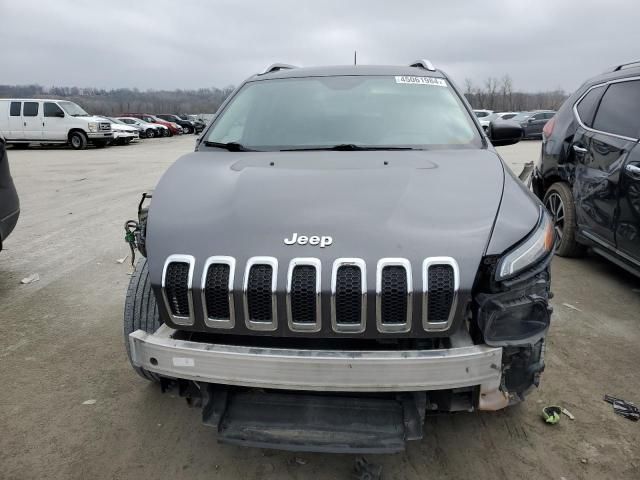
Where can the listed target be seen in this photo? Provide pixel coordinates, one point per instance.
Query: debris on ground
(584, 460)
(34, 277)
(89, 402)
(572, 307)
(364, 470)
(551, 414)
(568, 413)
(623, 408)
(122, 260)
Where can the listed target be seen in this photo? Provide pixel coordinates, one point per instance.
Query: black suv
(187, 125)
(9, 203)
(589, 171)
(352, 252)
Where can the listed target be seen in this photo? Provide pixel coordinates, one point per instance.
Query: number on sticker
(438, 82)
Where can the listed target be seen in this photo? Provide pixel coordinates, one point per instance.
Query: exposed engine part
(136, 231)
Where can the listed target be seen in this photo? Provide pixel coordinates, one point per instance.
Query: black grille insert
(216, 291)
(177, 288)
(441, 292)
(348, 299)
(303, 294)
(393, 294)
(259, 293)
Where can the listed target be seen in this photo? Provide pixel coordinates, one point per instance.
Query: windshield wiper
(231, 146)
(346, 147)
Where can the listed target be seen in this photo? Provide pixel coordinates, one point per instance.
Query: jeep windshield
(344, 113)
(73, 109)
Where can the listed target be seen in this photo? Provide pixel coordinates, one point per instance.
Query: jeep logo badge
(323, 241)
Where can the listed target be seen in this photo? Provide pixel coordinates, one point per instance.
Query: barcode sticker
(183, 362)
(437, 82)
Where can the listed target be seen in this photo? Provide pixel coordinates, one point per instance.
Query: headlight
(534, 248)
(93, 127)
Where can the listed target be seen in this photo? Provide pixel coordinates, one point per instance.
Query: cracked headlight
(93, 127)
(534, 248)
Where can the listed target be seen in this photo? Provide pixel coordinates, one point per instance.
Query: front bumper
(7, 224)
(322, 370)
(99, 135)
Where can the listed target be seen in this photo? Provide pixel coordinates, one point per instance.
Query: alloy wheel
(555, 206)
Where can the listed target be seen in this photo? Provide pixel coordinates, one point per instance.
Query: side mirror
(530, 120)
(505, 132)
(60, 114)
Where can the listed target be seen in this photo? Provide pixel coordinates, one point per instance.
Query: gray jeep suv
(344, 252)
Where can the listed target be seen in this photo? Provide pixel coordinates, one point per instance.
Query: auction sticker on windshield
(438, 82)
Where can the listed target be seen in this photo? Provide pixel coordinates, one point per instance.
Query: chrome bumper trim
(319, 370)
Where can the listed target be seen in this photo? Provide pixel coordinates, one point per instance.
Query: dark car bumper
(7, 225)
(9, 202)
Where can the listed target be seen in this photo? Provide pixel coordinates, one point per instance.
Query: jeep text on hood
(339, 231)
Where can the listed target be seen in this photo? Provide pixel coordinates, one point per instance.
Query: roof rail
(623, 65)
(423, 63)
(278, 66)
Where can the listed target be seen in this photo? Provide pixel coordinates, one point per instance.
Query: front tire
(149, 133)
(78, 140)
(559, 201)
(140, 312)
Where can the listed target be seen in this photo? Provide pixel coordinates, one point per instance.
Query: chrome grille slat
(299, 293)
(394, 308)
(451, 298)
(337, 296)
(219, 293)
(348, 300)
(173, 293)
(255, 304)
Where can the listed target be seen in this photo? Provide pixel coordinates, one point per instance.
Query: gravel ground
(71, 407)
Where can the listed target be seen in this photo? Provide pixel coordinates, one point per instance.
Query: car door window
(548, 115)
(588, 105)
(52, 110)
(14, 110)
(619, 111)
(30, 109)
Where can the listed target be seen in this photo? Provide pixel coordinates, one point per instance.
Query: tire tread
(140, 312)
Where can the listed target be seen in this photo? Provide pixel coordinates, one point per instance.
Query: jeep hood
(374, 204)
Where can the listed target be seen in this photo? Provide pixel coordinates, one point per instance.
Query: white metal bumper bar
(320, 370)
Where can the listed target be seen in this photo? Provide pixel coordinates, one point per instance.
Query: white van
(30, 120)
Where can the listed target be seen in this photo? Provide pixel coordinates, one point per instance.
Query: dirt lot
(62, 346)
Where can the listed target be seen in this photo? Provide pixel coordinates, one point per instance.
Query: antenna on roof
(355, 57)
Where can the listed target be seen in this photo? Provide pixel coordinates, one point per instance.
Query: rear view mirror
(504, 132)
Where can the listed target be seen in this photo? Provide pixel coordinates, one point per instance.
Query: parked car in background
(198, 125)
(147, 130)
(9, 202)
(589, 172)
(533, 124)
(482, 113)
(486, 120)
(123, 134)
(174, 129)
(27, 121)
(187, 125)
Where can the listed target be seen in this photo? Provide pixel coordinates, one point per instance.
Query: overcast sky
(159, 44)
